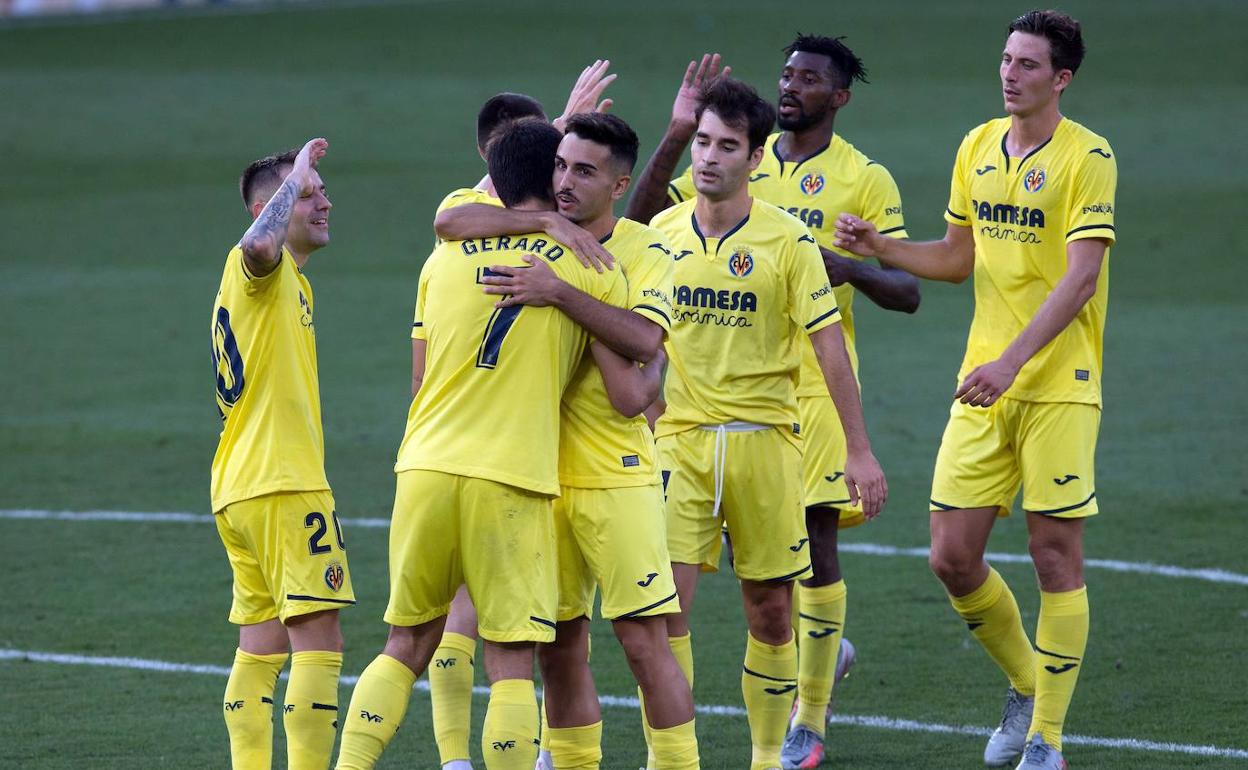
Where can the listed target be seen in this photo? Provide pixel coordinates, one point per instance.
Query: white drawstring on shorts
(721, 453)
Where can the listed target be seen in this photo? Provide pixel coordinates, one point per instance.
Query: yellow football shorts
(1047, 449)
(499, 540)
(757, 474)
(615, 539)
(287, 554)
(823, 459)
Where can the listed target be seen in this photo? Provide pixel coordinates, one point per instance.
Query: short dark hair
(266, 172)
(739, 105)
(1064, 34)
(610, 131)
(846, 66)
(502, 109)
(521, 159)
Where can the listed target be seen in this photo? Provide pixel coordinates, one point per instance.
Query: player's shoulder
(636, 233)
(465, 195)
(989, 132)
(765, 217)
(1081, 140)
(857, 163)
(672, 217)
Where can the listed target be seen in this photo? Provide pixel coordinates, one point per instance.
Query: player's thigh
(297, 543)
(575, 580)
(253, 599)
(687, 464)
(426, 566)
(623, 536)
(977, 466)
(1057, 449)
(509, 557)
(823, 460)
(763, 506)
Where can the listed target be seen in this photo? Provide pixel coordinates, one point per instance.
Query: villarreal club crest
(741, 263)
(334, 576)
(1033, 180)
(812, 183)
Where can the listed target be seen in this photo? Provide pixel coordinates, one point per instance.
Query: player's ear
(756, 157)
(841, 98)
(1062, 80)
(621, 187)
(255, 208)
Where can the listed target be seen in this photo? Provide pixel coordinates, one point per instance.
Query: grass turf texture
(122, 145)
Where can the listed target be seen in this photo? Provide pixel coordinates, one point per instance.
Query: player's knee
(771, 618)
(1057, 564)
(644, 640)
(315, 631)
(953, 567)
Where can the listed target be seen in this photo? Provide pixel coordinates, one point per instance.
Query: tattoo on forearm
(271, 225)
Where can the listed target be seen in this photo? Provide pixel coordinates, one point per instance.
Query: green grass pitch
(121, 145)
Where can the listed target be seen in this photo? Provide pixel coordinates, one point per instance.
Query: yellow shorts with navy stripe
(761, 501)
(288, 556)
(499, 540)
(615, 539)
(1046, 448)
(823, 459)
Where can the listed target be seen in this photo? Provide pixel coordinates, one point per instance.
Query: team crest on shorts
(1034, 180)
(741, 263)
(812, 183)
(334, 576)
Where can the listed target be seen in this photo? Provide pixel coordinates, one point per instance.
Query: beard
(799, 122)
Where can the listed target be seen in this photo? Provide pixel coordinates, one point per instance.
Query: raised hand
(697, 74)
(305, 161)
(857, 236)
(589, 86)
(584, 245)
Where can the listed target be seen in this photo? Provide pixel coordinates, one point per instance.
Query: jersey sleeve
(1092, 199)
(255, 286)
(458, 198)
(881, 201)
(958, 210)
(650, 282)
(418, 318)
(681, 188)
(812, 303)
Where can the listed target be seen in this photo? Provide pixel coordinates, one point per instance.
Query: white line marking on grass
(613, 701)
(1211, 575)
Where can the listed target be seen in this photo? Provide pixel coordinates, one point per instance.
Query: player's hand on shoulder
(986, 383)
(589, 86)
(697, 74)
(584, 245)
(857, 235)
(305, 161)
(866, 483)
(535, 285)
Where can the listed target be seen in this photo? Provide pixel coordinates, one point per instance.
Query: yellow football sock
(376, 712)
(450, 690)
(509, 739)
(821, 627)
(768, 680)
(544, 742)
(676, 748)
(682, 650)
(1061, 638)
(991, 613)
(576, 748)
(249, 709)
(311, 714)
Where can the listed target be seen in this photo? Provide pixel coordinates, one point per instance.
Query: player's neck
(798, 145)
(300, 259)
(1028, 132)
(602, 226)
(533, 204)
(716, 218)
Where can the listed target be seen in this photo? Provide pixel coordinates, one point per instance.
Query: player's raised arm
(863, 475)
(631, 387)
(262, 243)
(480, 220)
(650, 190)
(589, 86)
(951, 258)
(624, 331)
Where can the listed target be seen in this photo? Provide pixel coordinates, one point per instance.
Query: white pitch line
(614, 701)
(1210, 575)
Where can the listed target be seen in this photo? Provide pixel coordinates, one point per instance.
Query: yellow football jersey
(489, 403)
(599, 447)
(743, 304)
(816, 189)
(460, 197)
(264, 351)
(1023, 212)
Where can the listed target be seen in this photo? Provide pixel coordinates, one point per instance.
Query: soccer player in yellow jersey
(813, 173)
(1031, 216)
(477, 469)
(274, 509)
(609, 519)
(750, 289)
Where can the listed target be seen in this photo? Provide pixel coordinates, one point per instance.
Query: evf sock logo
(233, 705)
(741, 263)
(368, 716)
(444, 662)
(504, 745)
